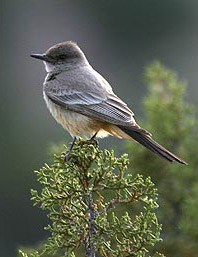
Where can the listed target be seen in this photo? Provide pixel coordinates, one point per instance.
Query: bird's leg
(92, 139)
(70, 150)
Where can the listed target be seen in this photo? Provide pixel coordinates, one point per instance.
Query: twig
(88, 240)
(116, 201)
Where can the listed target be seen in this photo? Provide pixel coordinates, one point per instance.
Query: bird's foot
(67, 155)
(93, 141)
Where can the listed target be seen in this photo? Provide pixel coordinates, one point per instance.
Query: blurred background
(119, 38)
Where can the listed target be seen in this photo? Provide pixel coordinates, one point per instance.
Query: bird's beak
(42, 57)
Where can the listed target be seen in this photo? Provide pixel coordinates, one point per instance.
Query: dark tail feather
(149, 143)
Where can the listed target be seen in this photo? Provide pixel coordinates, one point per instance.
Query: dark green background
(119, 39)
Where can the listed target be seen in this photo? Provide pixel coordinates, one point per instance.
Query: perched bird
(83, 102)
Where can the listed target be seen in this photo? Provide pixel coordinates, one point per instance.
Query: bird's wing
(92, 100)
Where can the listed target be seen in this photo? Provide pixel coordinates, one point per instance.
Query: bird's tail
(143, 137)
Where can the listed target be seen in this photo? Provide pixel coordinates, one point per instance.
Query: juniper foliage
(172, 121)
(86, 201)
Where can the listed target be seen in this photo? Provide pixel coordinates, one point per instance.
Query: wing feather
(90, 96)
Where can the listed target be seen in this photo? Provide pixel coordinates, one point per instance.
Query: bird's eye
(62, 56)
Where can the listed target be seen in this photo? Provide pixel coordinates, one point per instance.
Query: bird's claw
(94, 142)
(66, 157)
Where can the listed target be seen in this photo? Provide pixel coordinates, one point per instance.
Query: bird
(84, 103)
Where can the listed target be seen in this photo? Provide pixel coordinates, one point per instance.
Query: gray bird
(83, 102)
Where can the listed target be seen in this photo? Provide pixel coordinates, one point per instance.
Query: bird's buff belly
(76, 124)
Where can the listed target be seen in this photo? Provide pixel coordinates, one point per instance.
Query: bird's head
(62, 56)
